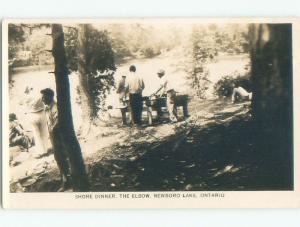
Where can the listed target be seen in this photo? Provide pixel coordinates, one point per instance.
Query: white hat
(37, 106)
(161, 72)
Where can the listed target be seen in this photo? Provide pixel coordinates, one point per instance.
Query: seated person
(17, 135)
(240, 94)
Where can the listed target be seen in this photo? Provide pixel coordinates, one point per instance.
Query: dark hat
(12, 117)
(161, 72)
(132, 68)
(48, 92)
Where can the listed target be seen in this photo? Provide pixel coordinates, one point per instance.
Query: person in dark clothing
(135, 86)
(136, 104)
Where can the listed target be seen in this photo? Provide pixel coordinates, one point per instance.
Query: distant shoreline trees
(206, 43)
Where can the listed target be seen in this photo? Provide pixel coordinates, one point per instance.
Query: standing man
(38, 120)
(121, 90)
(56, 138)
(166, 88)
(135, 86)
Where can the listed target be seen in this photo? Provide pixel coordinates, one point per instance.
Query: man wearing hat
(166, 88)
(60, 153)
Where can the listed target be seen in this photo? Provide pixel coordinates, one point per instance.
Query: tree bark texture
(272, 104)
(85, 96)
(65, 120)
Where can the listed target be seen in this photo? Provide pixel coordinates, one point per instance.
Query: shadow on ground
(218, 155)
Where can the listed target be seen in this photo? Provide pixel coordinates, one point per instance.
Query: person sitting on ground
(166, 88)
(240, 94)
(17, 135)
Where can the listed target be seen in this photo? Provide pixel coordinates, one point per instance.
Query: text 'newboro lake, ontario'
(187, 195)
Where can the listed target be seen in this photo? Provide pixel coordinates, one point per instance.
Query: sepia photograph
(148, 105)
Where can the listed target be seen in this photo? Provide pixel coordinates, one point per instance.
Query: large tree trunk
(65, 120)
(272, 103)
(85, 96)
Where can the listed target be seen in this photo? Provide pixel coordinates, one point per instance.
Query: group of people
(47, 107)
(132, 86)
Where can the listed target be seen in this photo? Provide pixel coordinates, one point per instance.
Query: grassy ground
(213, 150)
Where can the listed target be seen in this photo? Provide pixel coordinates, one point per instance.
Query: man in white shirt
(135, 86)
(37, 118)
(165, 87)
(240, 94)
(58, 145)
(121, 90)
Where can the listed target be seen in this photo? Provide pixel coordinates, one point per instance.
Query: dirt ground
(211, 150)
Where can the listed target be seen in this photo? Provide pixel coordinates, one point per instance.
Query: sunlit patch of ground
(212, 150)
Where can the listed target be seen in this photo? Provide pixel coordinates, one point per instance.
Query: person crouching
(240, 94)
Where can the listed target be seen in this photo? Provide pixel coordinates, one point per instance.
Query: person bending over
(240, 94)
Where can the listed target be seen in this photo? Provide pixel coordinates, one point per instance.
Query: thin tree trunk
(84, 88)
(65, 120)
(84, 73)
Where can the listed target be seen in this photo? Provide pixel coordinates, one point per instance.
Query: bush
(224, 87)
(150, 52)
(21, 63)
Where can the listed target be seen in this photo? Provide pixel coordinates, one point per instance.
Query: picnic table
(152, 103)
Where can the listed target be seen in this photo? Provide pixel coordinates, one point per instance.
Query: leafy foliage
(72, 47)
(224, 87)
(150, 52)
(91, 54)
(208, 42)
(230, 39)
(202, 52)
(16, 36)
(26, 47)
(140, 40)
